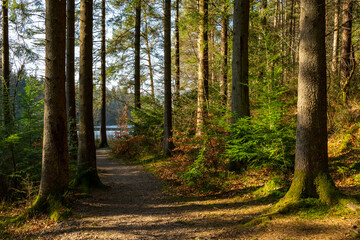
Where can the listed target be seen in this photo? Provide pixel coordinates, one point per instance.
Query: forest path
(136, 208)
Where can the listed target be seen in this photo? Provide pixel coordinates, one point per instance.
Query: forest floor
(136, 207)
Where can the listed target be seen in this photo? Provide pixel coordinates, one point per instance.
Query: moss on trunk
(305, 185)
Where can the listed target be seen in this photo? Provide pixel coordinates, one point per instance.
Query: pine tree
(87, 151)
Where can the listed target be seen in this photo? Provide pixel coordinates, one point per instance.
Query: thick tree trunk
(6, 67)
(54, 174)
(334, 62)
(240, 105)
(70, 79)
(345, 60)
(103, 138)
(87, 150)
(311, 177)
(203, 71)
(177, 52)
(137, 53)
(224, 54)
(167, 145)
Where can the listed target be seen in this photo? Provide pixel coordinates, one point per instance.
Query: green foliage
(148, 121)
(197, 162)
(20, 152)
(267, 139)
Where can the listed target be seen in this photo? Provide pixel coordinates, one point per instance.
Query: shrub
(197, 162)
(255, 142)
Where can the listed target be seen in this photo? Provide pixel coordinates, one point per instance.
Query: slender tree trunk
(70, 79)
(167, 145)
(345, 63)
(137, 53)
(334, 62)
(262, 12)
(54, 174)
(177, 51)
(103, 138)
(211, 56)
(149, 59)
(224, 53)
(311, 177)
(87, 150)
(240, 105)
(203, 72)
(292, 32)
(6, 67)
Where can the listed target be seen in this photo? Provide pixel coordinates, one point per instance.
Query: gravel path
(133, 208)
(136, 208)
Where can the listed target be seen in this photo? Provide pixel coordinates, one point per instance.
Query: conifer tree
(87, 151)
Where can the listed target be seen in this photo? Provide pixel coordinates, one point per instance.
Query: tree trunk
(70, 79)
(311, 177)
(211, 57)
(345, 64)
(263, 8)
(240, 105)
(177, 51)
(167, 145)
(203, 72)
(224, 53)
(103, 138)
(151, 75)
(54, 174)
(87, 150)
(334, 62)
(6, 67)
(137, 53)
(292, 33)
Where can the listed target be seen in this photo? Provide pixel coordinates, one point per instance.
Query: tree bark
(167, 145)
(334, 62)
(224, 53)
(177, 52)
(70, 79)
(311, 177)
(137, 53)
(151, 75)
(240, 105)
(203, 71)
(345, 60)
(6, 67)
(103, 138)
(54, 174)
(86, 154)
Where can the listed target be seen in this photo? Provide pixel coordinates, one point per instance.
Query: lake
(110, 131)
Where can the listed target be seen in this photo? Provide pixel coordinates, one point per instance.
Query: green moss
(326, 189)
(256, 222)
(269, 187)
(87, 180)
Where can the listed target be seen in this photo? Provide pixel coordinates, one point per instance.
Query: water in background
(110, 131)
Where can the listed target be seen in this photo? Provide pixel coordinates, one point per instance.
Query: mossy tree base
(319, 187)
(88, 180)
(53, 205)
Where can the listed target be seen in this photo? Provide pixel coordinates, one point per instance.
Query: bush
(257, 142)
(197, 162)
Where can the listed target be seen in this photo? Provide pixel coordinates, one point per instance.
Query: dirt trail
(136, 208)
